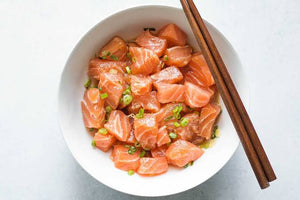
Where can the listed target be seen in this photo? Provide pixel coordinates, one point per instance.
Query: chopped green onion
(103, 57)
(128, 70)
(95, 86)
(133, 59)
(127, 146)
(102, 131)
(100, 88)
(213, 135)
(130, 172)
(127, 99)
(176, 124)
(91, 129)
(105, 53)
(104, 95)
(128, 55)
(166, 58)
(185, 166)
(192, 162)
(173, 135)
(168, 118)
(137, 144)
(150, 29)
(142, 154)
(87, 83)
(108, 109)
(169, 143)
(114, 57)
(184, 122)
(93, 143)
(132, 150)
(127, 90)
(176, 111)
(140, 114)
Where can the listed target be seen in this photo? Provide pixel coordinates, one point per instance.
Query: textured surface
(36, 38)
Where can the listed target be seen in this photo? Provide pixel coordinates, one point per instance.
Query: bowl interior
(128, 24)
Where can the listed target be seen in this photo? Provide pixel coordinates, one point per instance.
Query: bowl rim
(120, 12)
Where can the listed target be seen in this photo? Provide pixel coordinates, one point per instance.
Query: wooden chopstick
(226, 96)
(234, 94)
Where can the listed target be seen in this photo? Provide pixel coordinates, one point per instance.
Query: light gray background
(36, 38)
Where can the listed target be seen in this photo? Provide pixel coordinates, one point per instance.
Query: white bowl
(128, 24)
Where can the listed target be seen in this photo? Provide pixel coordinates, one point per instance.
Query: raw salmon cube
(196, 96)
(98, 66)
(123, 160)
(178, 56)
(93, 108)
(113, 84)
(173, 34)
(144, 61)
(163, 136)
(208, 116)
(148, 102)
(104, 142)
(198, 67)
(167, 93)
(145, 131)
(152, 166)
(168, 75)
(182, 152)
(118, 125)
(191, 130)
(159, 151)
(148, 41)
(167, 111)
(115, 49)
(131, 139)
(140, 84)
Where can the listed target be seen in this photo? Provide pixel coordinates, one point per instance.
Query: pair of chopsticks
(238, 114)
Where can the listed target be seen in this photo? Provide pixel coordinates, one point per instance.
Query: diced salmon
(115, 49)
(131, 139)
(208, 116)
(104, 142)
(163, 136)
(123, 160)
(167, 93)
(159, 151)
(199, 70)
(191, 130)
(145, 131)
(140, 84)
(159, 67)
(118, 125)
(93, 108)
(152, 166)
(167, 111)
(196, 96)
(182, 152)
(178, 56)
(148, 41)
(174, 35)
(113, 84)
(144, 61)
(168, 75)
(148, 102)
(98, 66)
